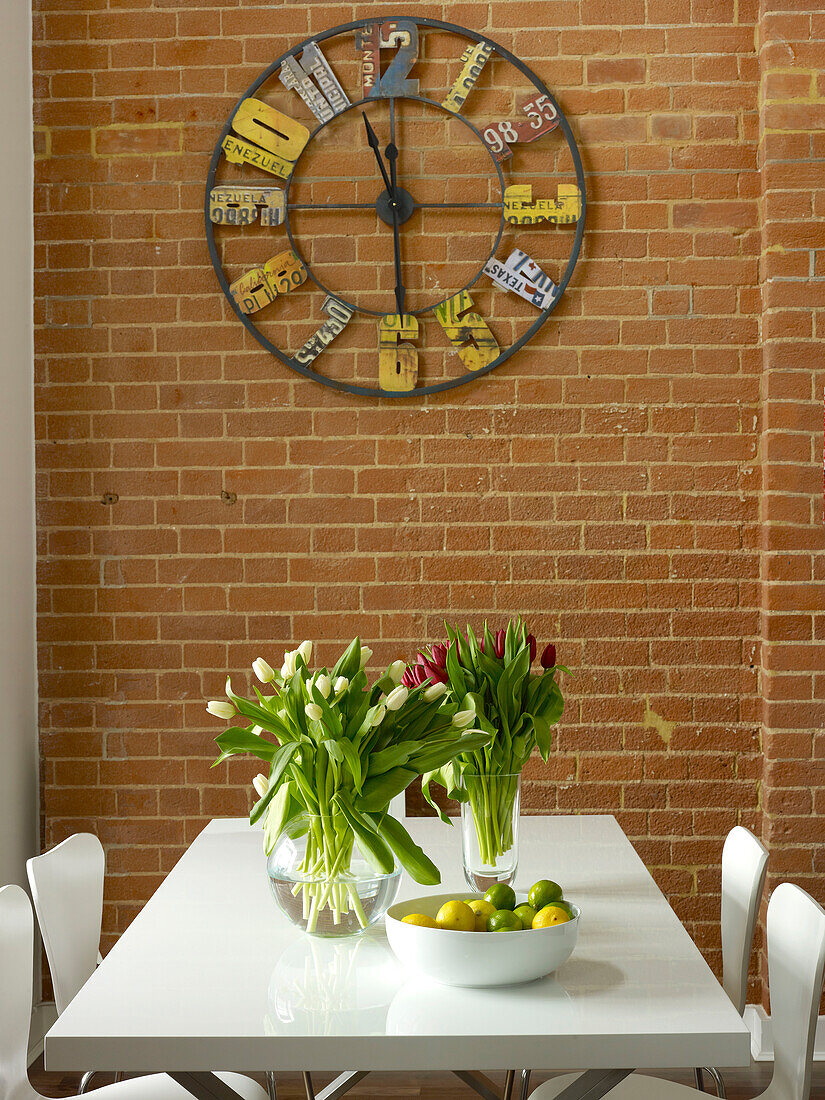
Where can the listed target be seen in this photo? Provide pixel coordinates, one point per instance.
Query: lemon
(420, 919)
(482, 909)
(456, 916)
(550, 915)
(544, 892)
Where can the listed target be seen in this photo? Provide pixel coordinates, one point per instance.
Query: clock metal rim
(452, 383)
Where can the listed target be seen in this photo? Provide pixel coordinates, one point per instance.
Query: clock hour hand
(373, 143)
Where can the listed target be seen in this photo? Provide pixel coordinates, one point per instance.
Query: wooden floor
(741, 1084)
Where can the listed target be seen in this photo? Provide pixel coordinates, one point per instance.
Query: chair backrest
(744, 862)
(16, 961)
(398, 806)
(796, 964)
(67, 888)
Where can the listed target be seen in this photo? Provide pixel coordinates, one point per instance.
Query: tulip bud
(436, 674)
(397, 698)
(261, 784)
(408, 679)
(313, 712)
(439, 655)
(498, 643)
(366, 653)
(289, 665)
(463, 718)
(324, 685)
(379, 715)
(264, 672)
(305, 650)
(531, 641)
(220, 709)
(548, 657)
(434, 691)
(396, 671)
(341, 685)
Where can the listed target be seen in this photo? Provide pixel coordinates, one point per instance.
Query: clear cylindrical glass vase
(489, 828)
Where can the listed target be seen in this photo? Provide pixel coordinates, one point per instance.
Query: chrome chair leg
(271, 1090)
(508, 1084)
(699, 1078)
(309, 1088)
(525, 1083)
(84, 1081)
(718, 1082)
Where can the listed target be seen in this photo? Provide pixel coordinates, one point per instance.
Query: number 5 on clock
(467, 332)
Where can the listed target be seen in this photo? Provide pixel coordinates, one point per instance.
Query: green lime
(544, 892)
(525, 914)
(502, 896)
(504, 920)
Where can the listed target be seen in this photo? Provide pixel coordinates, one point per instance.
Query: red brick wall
(605, 482)
(792, 162)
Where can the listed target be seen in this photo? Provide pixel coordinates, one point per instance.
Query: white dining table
(211, 976)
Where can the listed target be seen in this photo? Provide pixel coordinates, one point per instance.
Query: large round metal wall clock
(395, 206)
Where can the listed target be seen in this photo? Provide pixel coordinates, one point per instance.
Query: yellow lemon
(483, 910)
(550, 915)
(456, 916)
(420, 919)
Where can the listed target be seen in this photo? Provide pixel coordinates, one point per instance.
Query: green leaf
(282, 809)
(455, 673)
(237, 740)
(353, 761)
(412, 858)
(436, 756)
(544, 736)
(374, 848)
(349, 663)
(280, 762)
(380, 790)
(392, 757)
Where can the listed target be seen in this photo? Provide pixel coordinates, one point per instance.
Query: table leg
(593, 1084)
(204, 1086)
(478, 1082)
(341, 1085)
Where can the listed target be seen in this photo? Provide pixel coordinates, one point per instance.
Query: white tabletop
(211, 975)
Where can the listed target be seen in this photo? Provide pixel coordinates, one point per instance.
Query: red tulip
(414, 677)
(439, 655)
(498, 643)
(437, 675)
(548, 657)
(531, 641)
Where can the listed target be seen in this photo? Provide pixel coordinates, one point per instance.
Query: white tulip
(397, 698)
(313, 712)
(305, 650)
(366, 653)
(289, 665)
(324, 685)
(434, 691)
(261, 784)
(220, 709)
(396, 671)
(264, 672)
(341, 685)
(464, 718)
(379, 715)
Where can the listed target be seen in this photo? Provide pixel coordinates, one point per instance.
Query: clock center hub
(405, 206)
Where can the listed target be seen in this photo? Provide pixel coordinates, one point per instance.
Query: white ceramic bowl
(476, 958)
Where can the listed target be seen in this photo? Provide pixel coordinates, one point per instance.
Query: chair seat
(635, 1087)
(159, 1086)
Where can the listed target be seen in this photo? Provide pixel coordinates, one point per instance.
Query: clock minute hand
(391, 153)
(373, 143)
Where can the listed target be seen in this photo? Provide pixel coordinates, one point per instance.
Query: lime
(504, 920)
(544, 892)
(525, 914)
(420, 919)
(482, 909)
(502, 896)
(551, 915)
(456, 916)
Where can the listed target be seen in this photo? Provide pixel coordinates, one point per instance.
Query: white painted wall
(18, 672)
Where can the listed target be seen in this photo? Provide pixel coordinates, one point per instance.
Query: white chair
(796, 965)
(16, 947)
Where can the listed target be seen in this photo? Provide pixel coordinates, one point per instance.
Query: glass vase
(489, 828)
(322, 884)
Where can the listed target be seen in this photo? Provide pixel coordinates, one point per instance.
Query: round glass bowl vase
(489, 828)
(343, 903)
